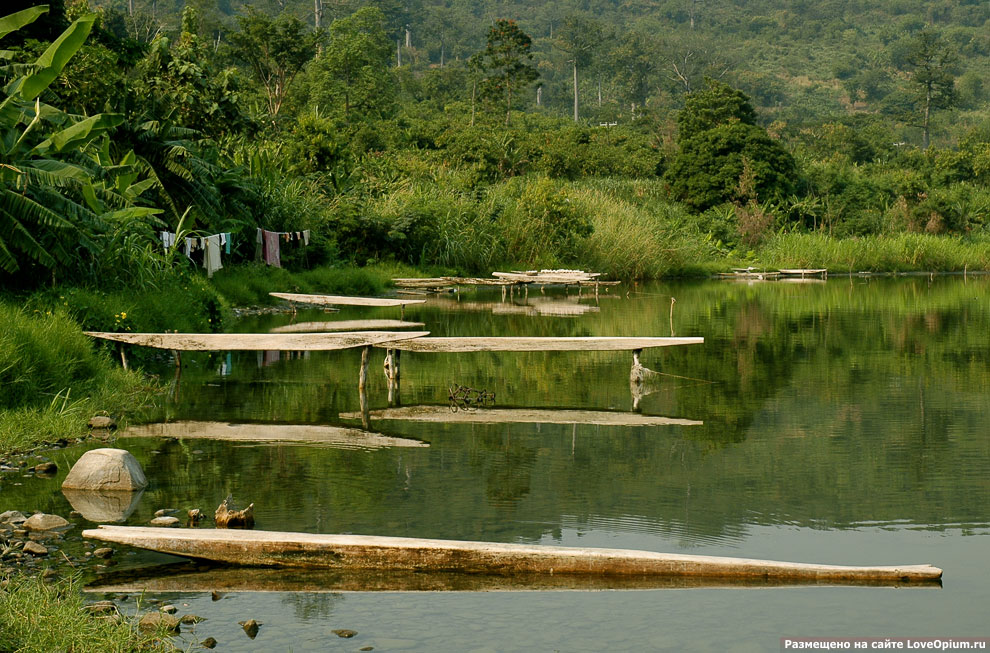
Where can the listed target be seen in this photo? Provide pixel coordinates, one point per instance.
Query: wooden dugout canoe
(328, 436)
(521, 416)
(342, 300)
(346, 325)
(310, 550)
(258, 341)
(592, 343)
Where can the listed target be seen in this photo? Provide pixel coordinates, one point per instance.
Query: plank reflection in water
(190, 577)
(522, 415)
(329, 436)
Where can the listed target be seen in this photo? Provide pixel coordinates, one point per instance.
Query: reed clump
(904, 252)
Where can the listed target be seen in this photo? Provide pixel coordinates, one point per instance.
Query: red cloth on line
(270, 248)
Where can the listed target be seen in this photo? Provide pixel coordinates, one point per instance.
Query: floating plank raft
(346, 325)
(259, 341)
(341, 300)
(309, 550)
(593, 343)
(521, 415)
(185, 577)
(331, 436)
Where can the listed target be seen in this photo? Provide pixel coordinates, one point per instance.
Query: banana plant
(55, 192)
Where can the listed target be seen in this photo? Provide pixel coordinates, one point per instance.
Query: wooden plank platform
(181, 577)
(346, 325)
(336, 437)
(341, 300)
(521, 416)
(309, 550)
(592, 343)
(259, 341)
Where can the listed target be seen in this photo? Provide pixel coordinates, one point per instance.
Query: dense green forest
(642, 139)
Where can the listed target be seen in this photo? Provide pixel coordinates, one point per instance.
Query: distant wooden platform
(521, 416)
(311, 550)
(533, 306)
(539, 277)
(346, 325)
(341, 300)
(259, 341)
(592, 343)
(336, 437)
(810, 272)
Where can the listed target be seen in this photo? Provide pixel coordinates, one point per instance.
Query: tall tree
(580, 38)
(352, 73)
(933, 67)
(276, 50)
(506, 63)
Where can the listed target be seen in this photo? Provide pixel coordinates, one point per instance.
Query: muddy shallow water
(840, 422)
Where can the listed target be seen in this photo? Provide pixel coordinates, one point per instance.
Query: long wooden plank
(521, 416)
(258, 341)
(178, 577)
(593, 343)
(336, 437)
(346, 325)
(286, 549)
(341, 300)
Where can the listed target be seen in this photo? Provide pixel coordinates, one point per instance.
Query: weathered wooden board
(286, 549)
(258, 341)
(180, 577)
(593, 343)
(346, 325)
(341, 300)
(330, 436)
(804, 272)
(521, 416)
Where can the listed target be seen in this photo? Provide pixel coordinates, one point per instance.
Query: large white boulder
(106, 469)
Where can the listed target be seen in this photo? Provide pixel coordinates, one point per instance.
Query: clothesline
(269, 248)
(208, 245)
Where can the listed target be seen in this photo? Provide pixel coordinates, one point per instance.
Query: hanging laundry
(211, 258)
(168, 239)
(270, 248)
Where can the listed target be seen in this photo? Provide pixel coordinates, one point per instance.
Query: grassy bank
(54, 380)
(40, 617)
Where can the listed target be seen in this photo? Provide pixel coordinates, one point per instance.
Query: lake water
(841, 422)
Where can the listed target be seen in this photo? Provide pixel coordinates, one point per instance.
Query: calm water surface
(841, 422)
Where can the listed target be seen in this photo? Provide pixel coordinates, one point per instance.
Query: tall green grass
(40, 617)
(902, 252)
(53, 379)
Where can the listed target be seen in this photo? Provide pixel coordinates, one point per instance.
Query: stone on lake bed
(101, 422)
(169, 609)
(12, 517)
(106, 469)
(103, 552)
(35, 549)
(345, 633)
(250, 627)
(44, 522)
(190, 619)
(46, 469)
(164, 521)
(209, 642)
(152, 620)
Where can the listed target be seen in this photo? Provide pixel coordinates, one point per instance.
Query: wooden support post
(362, 382)
(503, 294)
(363, 376)
(123, 356)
